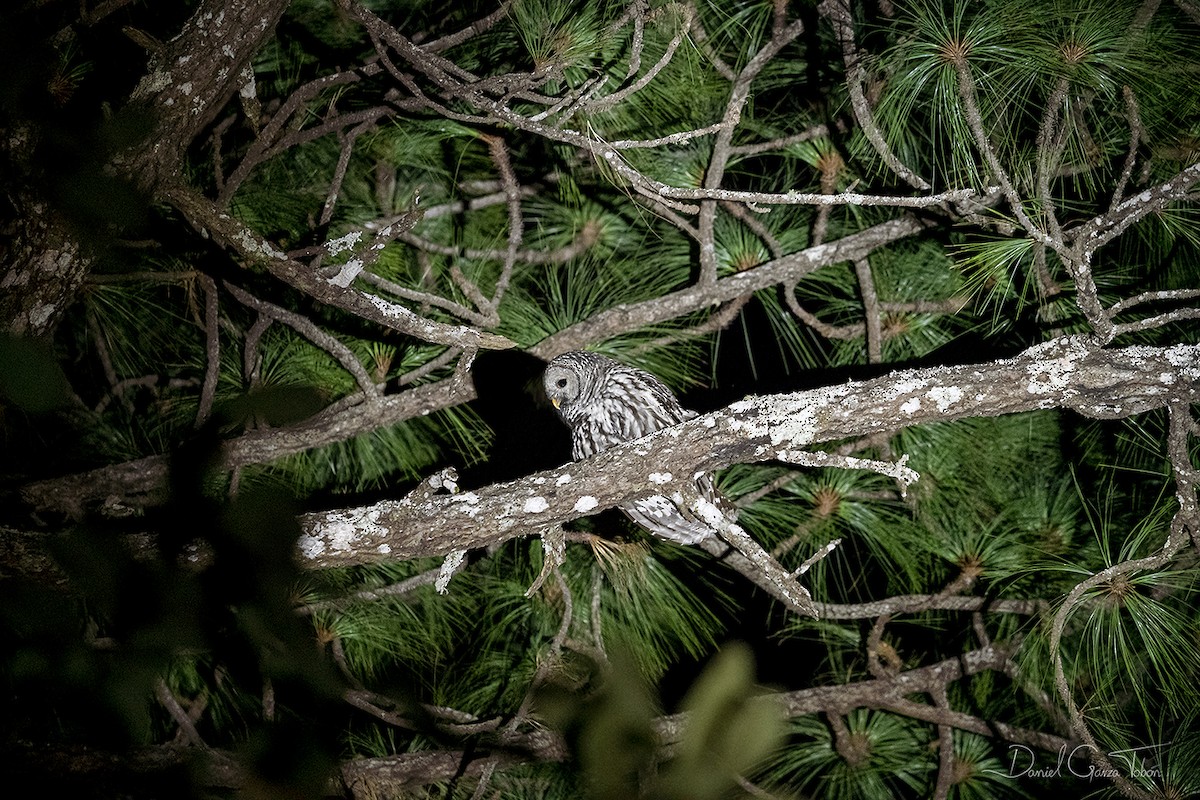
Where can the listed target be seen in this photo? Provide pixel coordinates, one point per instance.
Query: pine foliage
(1037, 100)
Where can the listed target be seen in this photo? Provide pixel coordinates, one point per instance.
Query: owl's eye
(561, 383)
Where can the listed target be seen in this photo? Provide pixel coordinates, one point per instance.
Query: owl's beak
(556, 401)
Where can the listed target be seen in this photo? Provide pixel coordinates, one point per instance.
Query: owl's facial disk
(562, 385)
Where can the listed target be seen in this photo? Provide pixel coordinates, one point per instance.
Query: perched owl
(605, 403)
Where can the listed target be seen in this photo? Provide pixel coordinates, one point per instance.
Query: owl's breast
(595, 433)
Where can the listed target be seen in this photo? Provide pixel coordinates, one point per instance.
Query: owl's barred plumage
(605, 403)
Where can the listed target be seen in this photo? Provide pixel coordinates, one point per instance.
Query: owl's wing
(661, 517)
(629, 404)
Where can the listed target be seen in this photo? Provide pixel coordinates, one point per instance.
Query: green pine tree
(284, 510)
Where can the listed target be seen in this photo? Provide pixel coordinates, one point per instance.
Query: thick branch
(190, 79)
(144, 481)
(187, 83)
(1061, 374)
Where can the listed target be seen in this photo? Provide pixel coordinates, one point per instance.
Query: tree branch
(789, 268)
(1062, 374)
(204, 215)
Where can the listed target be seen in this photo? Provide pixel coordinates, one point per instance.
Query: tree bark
(186, 84)
(1066, 373)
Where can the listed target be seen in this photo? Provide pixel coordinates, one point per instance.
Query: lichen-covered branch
(253, 249)
(1066, 373)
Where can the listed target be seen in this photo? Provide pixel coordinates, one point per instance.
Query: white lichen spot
(944, 396)
(342, 243)
(535, 505)
(1183, 356)
(911, 406)
(342, 532)
(468, 503)
(251, 246)
(16, 277)
(186, 88)
(1167, 378)
(393, 310)
(1050, 377)
(450, 565)
(817, 252)
(709, 422)
(311, 546)
(907, 387)
(563, 480)
(660, 477)
(153, 83)
(586, 504)
(346, 275)
(39, 315)
(384, 549)
(780, 418)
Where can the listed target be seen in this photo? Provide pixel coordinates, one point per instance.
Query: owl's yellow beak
(556, 401)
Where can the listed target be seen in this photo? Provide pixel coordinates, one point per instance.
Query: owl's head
(570, 380)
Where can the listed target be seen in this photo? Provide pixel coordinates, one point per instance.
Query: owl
(605, 403)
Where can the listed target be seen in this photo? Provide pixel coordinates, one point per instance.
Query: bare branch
(793, 198)
(871, 310)
(715, 173)
(187, 727)
(272, 137)
(1136, 135)
(609, 101)
(1157, 321)
(838, 13)
(427, 298)
(367, 776)
(516, 221)
(671, 138)
(700, 35)
(1051, 141)
(789, 268)
(974, 118)
(1183, 527)
(212, 349)
(816, 131)
(143, 482)
(309, 330)
(1104, 228)
(204, 215)
(474, 29)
